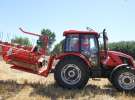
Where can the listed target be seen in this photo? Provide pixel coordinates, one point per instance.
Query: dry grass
(16, 85)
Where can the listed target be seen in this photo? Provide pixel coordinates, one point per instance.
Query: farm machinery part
(27, 58)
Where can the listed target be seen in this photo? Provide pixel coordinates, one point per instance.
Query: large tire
(71, 74)
(123, 80)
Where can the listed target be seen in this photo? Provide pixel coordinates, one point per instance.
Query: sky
(117, 16)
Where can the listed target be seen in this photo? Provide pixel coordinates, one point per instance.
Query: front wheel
(124, 80)
(71, 74)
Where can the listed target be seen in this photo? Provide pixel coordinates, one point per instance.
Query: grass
(16, 85)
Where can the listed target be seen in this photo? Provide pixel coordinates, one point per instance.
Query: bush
(21, 41)
(127, 47)
(58, 48)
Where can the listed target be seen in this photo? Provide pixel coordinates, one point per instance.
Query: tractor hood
(115, 55)
(120, 54)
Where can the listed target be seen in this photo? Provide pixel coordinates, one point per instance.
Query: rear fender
(78, 55)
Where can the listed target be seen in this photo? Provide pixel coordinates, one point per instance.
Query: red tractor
(82, 58)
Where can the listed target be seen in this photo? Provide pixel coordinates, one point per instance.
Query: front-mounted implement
(27, 58)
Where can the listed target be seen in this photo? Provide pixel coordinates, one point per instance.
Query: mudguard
(63, 55)
(121, 66)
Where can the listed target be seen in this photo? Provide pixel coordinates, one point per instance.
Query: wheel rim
(71, 74)
(127, 80)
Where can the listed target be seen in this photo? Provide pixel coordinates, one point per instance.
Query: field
(16, 85)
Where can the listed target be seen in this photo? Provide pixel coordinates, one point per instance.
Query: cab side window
(72, 43)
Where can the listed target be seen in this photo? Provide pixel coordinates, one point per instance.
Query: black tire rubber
(114, 79)
(109, 79)
(84, 74)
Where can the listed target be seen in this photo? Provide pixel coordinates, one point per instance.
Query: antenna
(89, 29)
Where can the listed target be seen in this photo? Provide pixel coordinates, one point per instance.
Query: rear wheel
(71, 74)
(124, 80)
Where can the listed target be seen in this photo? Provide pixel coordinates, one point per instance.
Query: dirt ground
(17, 85)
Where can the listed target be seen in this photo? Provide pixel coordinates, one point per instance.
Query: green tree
(51, 36)
(21, 41)
(58, 48)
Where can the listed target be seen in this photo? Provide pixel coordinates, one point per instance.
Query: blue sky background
(117, 16)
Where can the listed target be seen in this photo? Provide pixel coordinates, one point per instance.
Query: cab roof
(79, 32)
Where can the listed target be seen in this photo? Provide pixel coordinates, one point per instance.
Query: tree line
(127, 47)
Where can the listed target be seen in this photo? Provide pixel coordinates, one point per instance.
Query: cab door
(90, 48)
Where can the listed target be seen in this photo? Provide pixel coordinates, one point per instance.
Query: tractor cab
(85, 43)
